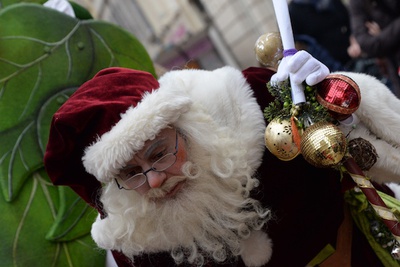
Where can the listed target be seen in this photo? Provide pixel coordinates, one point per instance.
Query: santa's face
(180, 209)
(158, 161)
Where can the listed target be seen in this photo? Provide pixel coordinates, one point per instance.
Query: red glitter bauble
(339, 94)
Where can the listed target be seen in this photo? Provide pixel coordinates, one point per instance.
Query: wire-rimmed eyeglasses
(136, 180)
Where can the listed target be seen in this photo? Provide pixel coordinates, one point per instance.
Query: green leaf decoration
(4, 3)
(45, 56)
(44, 52)
(80, 11)
(26, 221)
(74, 217)
(372, 226)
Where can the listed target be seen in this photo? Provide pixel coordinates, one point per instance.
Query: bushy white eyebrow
(153, 146)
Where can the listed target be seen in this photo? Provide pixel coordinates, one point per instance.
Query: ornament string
(387, 216)
(285, 29)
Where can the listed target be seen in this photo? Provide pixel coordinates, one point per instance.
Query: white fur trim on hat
(221, 99)
(112, 150)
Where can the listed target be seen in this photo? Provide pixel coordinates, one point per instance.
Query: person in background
(376, 28)
(322, 27)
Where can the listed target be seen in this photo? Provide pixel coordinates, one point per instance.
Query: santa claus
(179, 173)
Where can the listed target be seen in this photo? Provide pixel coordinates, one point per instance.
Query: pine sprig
(273, 110)
(282, 106)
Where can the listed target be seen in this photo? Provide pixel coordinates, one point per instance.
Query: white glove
(62, 6)
(302, 67)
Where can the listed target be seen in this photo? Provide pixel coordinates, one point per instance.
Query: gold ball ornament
(269, 49)
(279, 139)
(323, 145)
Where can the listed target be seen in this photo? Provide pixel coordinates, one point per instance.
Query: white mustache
(168, 185)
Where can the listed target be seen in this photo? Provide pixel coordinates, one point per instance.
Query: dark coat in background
(327, 24)
(386, 13)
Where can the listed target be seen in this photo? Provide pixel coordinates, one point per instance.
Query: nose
(156, 179)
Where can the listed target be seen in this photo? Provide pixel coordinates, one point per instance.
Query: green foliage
(80, 11)
(282, 107)
(45, 56)
(4, 3)
(39, 212)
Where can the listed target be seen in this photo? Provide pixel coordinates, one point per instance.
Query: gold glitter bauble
(269, 49)
(323, 144)
(279, 139)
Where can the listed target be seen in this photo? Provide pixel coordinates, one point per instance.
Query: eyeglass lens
(160, 165)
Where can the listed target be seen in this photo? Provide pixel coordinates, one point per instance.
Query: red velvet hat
(103, 124)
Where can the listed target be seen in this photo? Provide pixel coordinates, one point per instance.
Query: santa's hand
(62, 6)
(301, 67)
(282, 74)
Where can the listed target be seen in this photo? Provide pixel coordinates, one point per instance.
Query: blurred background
(203, 34)
(208, 34)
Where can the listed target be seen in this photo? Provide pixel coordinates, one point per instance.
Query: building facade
(203, 34)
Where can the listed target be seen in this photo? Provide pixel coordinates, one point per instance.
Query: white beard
(208, 219)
